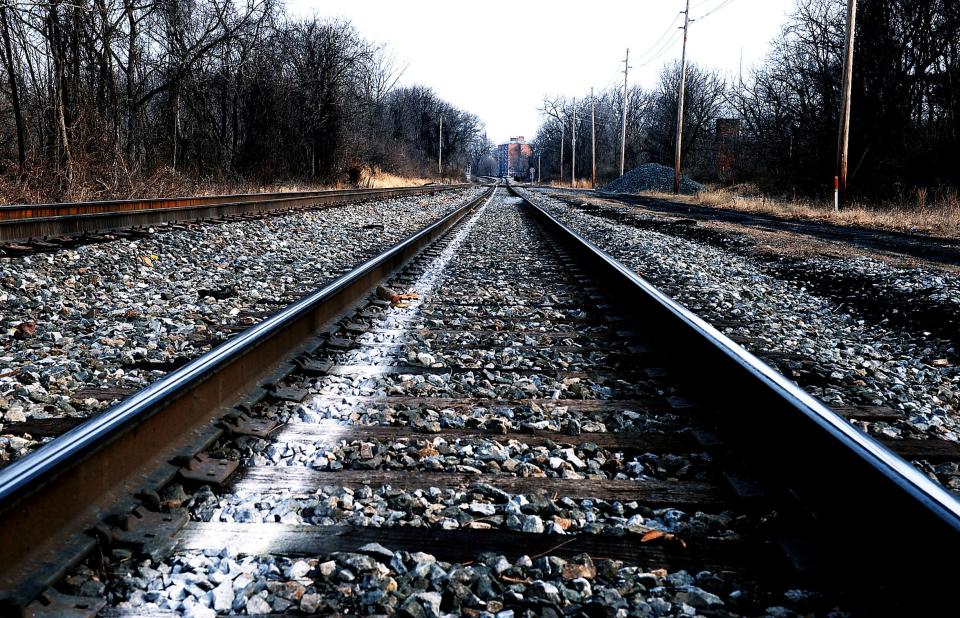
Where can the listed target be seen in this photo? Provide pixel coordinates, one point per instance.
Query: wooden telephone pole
(593, 139)
(623, 130)
(844, 137)
(683, 83)
(573, 145)
(440, 155)
(562, 139)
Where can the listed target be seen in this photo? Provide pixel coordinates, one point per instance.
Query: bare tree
(103, 94)
(704, 100)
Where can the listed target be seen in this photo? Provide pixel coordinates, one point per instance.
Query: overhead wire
(676, 35)
(667, 40)
(698, 5)
(714, 9)
(662, 37)
(663, 49)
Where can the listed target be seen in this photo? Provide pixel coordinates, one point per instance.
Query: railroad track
(533, 412)
(26, 228)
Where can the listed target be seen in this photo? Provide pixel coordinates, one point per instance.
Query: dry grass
(167, 183)
(922, 212)
(581, 184)
(380, 180)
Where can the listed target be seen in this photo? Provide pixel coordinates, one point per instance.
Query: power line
(713, 10)
(659, 40)
(664, 49)
(699, 4)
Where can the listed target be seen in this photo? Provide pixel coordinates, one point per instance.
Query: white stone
(533, 523)
(223, 596)
(257, 604)
(298, 570)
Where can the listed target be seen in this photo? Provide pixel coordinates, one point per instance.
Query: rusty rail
(20, 222)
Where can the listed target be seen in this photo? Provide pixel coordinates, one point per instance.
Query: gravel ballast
(377, 580)
(859, 362)
(121, 314)
(520, 297)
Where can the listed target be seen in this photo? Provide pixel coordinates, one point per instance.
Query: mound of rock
(651, 177)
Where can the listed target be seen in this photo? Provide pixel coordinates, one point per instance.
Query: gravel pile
(862, 363)
(651, 177)
(122, 314)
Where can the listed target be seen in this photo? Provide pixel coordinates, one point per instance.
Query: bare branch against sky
(549, 47)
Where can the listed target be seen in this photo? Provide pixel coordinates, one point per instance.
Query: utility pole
(623, 132)
(844, 138)
(440, 155)
(683, 83)
(593, 139)
(538, 168)
(562, 139)
(573, 145)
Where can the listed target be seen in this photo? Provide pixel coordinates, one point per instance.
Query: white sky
(498, 59)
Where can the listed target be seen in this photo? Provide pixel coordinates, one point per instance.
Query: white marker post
(836, 194)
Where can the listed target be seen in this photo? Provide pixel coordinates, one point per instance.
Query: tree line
(905, 128)
(99, 95)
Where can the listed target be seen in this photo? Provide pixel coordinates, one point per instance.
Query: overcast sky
(498, 59)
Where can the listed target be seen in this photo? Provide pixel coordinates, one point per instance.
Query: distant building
(514, 157)
(728, 140)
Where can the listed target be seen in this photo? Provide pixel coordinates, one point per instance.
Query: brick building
(727, 143)
(514, 157)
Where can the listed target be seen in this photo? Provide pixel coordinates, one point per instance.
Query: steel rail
(854, 484)
(20, 222)
(73, 482)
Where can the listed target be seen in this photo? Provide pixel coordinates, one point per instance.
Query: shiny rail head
(878, 457)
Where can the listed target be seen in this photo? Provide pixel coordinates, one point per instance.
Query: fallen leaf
(941, 362)
(428, 451)
(26, 329)
(147, 261)
(660, 534)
